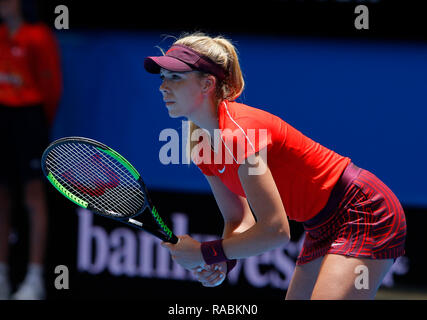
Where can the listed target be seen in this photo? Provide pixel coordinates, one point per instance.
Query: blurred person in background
(30, 89)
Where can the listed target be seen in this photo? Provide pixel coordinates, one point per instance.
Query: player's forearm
(233, 228)
(259, 238)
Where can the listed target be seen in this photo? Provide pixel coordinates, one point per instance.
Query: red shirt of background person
(30, 68)
(30, 88)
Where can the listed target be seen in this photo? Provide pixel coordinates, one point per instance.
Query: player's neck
(206, 117)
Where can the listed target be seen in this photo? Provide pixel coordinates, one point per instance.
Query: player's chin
(173, 113)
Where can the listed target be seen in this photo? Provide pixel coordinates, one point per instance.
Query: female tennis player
(256, 162)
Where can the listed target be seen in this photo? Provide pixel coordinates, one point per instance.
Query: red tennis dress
(344, 209)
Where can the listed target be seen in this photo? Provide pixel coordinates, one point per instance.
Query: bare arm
(242, 236)
(272, 227)
(237, 218)
(234, 208)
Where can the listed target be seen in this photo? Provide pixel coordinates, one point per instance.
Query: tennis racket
(97, 178)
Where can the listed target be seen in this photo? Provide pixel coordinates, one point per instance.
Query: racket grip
(173, 239)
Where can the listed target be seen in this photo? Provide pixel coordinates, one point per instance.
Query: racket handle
(173, 239)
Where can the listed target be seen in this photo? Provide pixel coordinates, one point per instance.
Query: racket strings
(69, 182)
(90, 184)
(94, 176)
(94, 183)
(107, 185)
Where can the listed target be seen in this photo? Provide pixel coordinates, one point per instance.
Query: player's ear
(208, 84)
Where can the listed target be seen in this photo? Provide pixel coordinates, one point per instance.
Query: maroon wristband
(213, 252)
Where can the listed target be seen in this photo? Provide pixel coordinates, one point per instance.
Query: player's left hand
(186, 252)
(211, 275)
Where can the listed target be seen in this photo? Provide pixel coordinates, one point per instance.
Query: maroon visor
(181, 58)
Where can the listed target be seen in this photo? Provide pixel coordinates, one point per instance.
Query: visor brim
(153, 64)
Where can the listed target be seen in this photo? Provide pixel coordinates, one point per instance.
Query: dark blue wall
(366, 100)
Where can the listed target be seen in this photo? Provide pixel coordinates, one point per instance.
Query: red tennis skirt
(363, 218)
